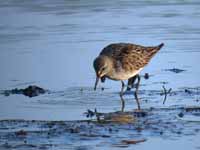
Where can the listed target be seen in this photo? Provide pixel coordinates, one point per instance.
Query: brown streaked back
(132, 57)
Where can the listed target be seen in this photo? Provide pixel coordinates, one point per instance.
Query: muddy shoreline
(126, 131)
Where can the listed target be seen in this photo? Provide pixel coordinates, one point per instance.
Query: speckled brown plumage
(123, 61)
(131, 56)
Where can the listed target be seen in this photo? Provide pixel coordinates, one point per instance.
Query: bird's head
(102, 66)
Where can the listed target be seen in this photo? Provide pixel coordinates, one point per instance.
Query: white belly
(122, 75)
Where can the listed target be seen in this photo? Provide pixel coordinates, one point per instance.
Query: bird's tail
(160, 46)
(153, 50)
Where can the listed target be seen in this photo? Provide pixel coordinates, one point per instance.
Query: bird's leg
(136, 91)
(131, 82)
(121, 95)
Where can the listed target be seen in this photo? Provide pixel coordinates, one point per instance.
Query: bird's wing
(134, 57)
(113, 50)
(130, 56)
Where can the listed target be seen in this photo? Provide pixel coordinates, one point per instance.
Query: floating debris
(146, 76)
(192, 109)
(30, 91)
(190, 118)
(175, 70)
(188, 91)
(165, 93)
(181, 114)
(191, 114)
(21, 133)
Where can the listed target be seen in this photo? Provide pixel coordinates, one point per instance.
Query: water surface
(52, 44)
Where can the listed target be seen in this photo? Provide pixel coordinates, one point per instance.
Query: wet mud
(112, 129)
(30, 91)
(115, 129)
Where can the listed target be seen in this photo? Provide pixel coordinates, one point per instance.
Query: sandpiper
(123, 61)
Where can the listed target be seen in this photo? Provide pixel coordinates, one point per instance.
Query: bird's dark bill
(96, 83)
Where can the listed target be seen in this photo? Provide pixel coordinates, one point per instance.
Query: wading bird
(123, 61)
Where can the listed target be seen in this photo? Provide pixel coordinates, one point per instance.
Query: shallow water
(53, 43)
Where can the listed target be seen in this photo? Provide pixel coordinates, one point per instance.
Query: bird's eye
(103, 68)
